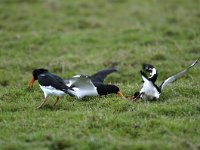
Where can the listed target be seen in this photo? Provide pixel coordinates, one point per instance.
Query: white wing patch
(70, 81)
(76, 76)
(82, 86)
(82, 92)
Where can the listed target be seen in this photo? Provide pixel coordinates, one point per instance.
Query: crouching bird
(84, 85)
(150, 91)
(50, 84)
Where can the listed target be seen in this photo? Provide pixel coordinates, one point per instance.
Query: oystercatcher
(150, 90)
(50, 84)
(92, 85)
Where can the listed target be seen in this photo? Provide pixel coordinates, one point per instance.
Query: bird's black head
(151, 70)
(136, 94)
(112, 89)
(36, 73)
(147, 67)
(109, 89)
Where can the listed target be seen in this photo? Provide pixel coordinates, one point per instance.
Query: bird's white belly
(51, 90)
(80, 93)
(149, 91)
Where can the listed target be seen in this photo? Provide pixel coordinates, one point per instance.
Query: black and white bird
(92, 85)
(50, 84)
(150, 91)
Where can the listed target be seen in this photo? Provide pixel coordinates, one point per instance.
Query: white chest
(149, 91)
(51, 90)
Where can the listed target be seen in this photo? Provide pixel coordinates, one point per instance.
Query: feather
(175, 77)
(101, 75)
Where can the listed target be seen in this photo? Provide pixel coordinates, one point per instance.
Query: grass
(82, 37)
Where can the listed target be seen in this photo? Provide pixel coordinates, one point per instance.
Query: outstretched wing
(71, 80)
(101, 75)
(178, 75)
(82, 82)
(82, 86)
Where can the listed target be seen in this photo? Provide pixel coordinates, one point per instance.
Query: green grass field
(81, 37)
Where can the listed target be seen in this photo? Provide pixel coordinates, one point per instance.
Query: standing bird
(150, 90)
(92, 85)
(50, 84)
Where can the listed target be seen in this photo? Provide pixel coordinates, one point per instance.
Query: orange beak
(31, 83)
(120, 94)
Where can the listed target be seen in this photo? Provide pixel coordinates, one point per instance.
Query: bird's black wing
(48, 79)
(101, 75)
(178, 75)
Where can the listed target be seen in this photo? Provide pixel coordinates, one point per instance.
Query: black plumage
(49, 83)
(48, 79)
(149, 89)
(92, 85)
(101, 75)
